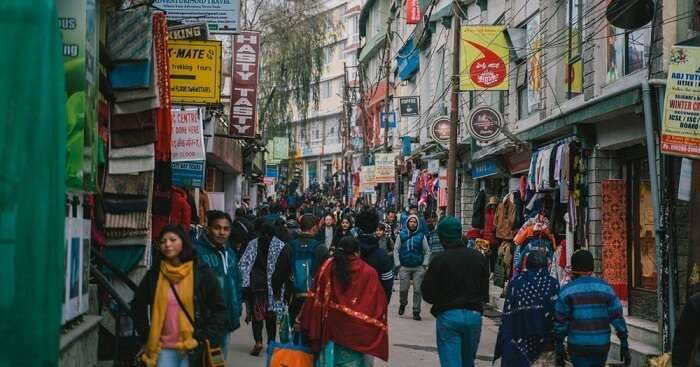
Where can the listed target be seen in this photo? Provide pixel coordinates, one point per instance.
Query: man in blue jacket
(215, 250)
(411, 254)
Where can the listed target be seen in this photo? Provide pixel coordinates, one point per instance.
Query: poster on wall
(367, 182)
(77, 21)
(188, 174)
(71, 306)
(187, 142)
(384, 168)
(484, 58)
(246, 52)
(195, 71)
(84, 294)
(222, 16)
(534, 71)
(680, 132)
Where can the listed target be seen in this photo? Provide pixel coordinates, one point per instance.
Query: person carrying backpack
(411, 254)
(308, 255)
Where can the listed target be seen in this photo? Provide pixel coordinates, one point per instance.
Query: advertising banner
(280, 148)
(188, 174)
(367, 182)
(384, 168)
(409, 106)
(187, 143)
(680, 133)
(195, 71)
(271, 171)
(222, 16)
(391, 118)
(484, 58)
(534, 71)
(197, 31)
(413, 13)
(246, 52)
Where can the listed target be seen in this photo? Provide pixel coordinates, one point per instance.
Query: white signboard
(222, 16)
(187, 142)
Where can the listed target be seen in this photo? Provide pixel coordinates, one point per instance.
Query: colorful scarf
(528, 319)
(333, 313)
(183, 277)
(246, 266)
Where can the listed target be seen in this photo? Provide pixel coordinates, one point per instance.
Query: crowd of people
(329, 275)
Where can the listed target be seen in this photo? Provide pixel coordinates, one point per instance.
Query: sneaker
(416, 316)
(402, 309)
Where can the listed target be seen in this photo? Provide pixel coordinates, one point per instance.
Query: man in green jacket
(215, 250)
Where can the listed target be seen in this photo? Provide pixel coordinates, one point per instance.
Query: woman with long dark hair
(345, 228)
(266, 271)
(347, 310)
(178, 306)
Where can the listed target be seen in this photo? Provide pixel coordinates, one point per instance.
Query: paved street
(411, 343)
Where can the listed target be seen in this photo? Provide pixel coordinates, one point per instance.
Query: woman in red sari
(346, 313)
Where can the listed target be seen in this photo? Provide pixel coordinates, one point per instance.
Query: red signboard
(413, 13)
(246, 55)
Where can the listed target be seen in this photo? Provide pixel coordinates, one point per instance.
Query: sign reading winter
(222, 16)
(483, 58)
(680, 133)
(187, 142)
(246, 49)
(195, 71)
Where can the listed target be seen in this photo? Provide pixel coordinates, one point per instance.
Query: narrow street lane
(411, 343)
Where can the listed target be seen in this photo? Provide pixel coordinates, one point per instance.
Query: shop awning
(372, 46)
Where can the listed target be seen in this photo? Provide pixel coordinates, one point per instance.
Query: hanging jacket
(489, 226)
(478, 210)
(224, 264)
(412, 249)
(504, 218)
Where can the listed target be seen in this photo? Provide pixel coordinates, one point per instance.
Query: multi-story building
(574, 80)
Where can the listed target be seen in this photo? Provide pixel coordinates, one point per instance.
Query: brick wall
(468, 193)
(602, 165)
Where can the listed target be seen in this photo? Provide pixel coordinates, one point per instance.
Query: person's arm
(617, 319)
(426, 251)
(387, 276)
(430, 288)
(562, 318)
(686, 335)
(397, 246)
(139, 307)
(213, 326)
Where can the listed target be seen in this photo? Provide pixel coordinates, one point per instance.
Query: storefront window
(646, 254)
(626, 51)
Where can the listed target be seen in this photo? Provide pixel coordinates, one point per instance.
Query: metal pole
(454, 114)
(387, 70)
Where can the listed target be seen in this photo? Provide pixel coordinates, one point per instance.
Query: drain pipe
(655, 193)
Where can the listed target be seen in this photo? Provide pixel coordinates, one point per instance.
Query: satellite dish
(630, 14)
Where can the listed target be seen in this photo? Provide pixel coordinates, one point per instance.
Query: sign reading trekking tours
(483, 58)
(195, 71)
(246, 52)
(187, 142)
(680, 134)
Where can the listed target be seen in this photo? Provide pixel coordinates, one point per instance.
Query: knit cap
(582, 262)
(450, 229)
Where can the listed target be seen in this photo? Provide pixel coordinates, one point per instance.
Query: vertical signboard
(246, 52)
(187, 142)
(384, 168)
(483, 58)
(680, 133)
(195, 71)
(367, 179)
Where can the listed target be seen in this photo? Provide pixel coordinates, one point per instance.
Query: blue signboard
(391, 117)
(188, 174)
(406, 140)
(485, 168)
(271, 171)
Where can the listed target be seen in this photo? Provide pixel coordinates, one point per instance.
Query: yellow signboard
(680, 134)
(195, 71)
(483, 61)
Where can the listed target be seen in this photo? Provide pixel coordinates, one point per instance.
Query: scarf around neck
(183, 277)
(246, 266)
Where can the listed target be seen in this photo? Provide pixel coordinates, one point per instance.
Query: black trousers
(270, 324)
(295, 308)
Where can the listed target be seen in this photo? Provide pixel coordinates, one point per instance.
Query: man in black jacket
(686, 343)
(367, 222)
(457, 285)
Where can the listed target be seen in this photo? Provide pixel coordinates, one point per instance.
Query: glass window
(326, 89)
(574, 66)
(627, 51)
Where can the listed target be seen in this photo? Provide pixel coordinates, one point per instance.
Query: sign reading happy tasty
(246, 52)
(484, 123)
(195, 71)
(483, 58)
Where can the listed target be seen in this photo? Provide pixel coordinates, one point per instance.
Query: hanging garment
(532, 172)
(478, 210)
(131, 160)
(564, 175)
(128, 184)
(163, 114)
(504, 218)
(558, 164)
(129, 34)
(614, 222)
(551, 167)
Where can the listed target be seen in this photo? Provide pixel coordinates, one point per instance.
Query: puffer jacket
(505, 216)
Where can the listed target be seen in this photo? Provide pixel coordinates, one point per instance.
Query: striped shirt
(583, 313)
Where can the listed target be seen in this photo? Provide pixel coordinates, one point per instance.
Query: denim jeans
(172, 358)
(406, 276)
(458, 334)
(589, 361)
(224, 344)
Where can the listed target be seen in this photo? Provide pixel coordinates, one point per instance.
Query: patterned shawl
(246, 266)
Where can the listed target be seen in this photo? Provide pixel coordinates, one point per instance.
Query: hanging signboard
(409, 106)
(384, 168)
(680, 134)
(413, 12)
(484, 123)
(246, 49)
(195, 71)
(485, 169)
(484, 58)
(222, 16)
(440, 129)
(391, 117)
(367, 182)
(433, 165)
(187, 141)
(198, 31)
(188, 174)
(280, 148)
(271, 171)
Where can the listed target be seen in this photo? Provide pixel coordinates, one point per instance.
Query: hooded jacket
(378, 259)
(224, 264)
(412, 240)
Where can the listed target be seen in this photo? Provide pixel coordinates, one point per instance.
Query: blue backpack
(535, 243)
(411, 250)
(305, 266)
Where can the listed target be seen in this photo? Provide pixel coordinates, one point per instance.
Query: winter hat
(449, 229)
(413, 216)
(582, 262)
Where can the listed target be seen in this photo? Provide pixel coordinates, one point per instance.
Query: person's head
(412, 223)
(240, 213)
(308, 223)
(174, 245)
(367, 220)
(536, 260)
(329, 220)
(450, 232)
(413, 209)
(347, 248)
(345, 224)
(380, 231)
(582, 263)
(218, 227)
(391, 215)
